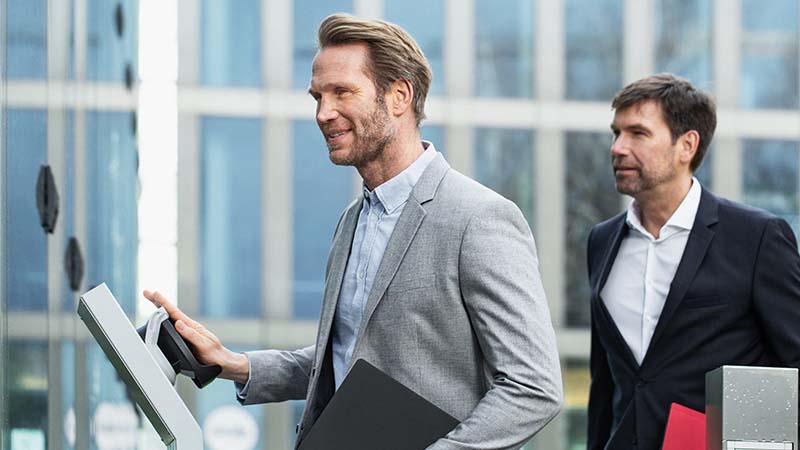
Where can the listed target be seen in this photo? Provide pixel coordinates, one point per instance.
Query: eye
(340, 91)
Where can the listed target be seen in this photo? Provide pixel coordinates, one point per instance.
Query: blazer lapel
(694, 253)
(401, 238)
(604, 317)
(340, 252)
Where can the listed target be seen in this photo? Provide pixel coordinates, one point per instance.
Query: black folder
(371, 410)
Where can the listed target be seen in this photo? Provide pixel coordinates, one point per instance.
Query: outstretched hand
(208, 348)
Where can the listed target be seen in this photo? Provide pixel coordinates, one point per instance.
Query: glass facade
(593, 44)
(231, 43)
(683, 30)
(504, 54)
(427, 29)
(26, 44)
(770, 48)
(231, 218)
(770, 177)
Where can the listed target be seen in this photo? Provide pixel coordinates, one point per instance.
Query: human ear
(688, 145)
(400, 94)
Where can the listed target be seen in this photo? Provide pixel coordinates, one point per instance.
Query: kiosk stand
(145, 375)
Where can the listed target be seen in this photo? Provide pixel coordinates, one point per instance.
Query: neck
(396, 157)
(656, 206)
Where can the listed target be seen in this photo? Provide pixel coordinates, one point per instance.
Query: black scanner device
(173, 354)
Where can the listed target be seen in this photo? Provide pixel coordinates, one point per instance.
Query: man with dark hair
(684, 281)
(431, 277)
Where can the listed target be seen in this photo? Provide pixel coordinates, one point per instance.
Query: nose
(618, 146)
(326, 111)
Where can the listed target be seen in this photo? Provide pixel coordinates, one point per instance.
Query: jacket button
(313, 371)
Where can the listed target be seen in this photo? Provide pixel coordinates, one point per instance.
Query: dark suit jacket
(735, 299)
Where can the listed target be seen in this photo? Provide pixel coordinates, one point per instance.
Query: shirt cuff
(241, 389)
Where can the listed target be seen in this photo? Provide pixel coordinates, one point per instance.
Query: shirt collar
(394, 193)
(682, 218)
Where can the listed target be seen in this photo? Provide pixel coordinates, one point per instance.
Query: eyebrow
(632, 127)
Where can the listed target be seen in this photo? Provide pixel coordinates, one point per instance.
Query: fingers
(190, 334)
(158, 300)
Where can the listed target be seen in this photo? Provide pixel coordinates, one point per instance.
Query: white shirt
(640, 278)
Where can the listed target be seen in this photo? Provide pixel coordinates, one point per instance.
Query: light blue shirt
(380, 210)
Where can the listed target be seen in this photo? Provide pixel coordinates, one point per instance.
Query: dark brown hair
(393, 54)
(684, 107)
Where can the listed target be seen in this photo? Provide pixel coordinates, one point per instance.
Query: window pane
(504, 48)
(26, 242)
(231, 43)
(770, 49)
(435, 135)
(68, 395)
(107, 52)
(427, 29)
(67, 207)
(683, 39)
(27, 393)
(703, 174)
(225, 423)
(231, 217)
(591, 198)
(321, 192)
(594, 49)
(307, 16)
(770, 177)
(26, 46)
(112, 191)
(504, 163)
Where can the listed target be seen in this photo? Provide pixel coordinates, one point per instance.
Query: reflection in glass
(591, 198)
(297, 407)
(26, 41)
(68, 394)
(594, 49)
(226, 423)
(112, 192)
(231, 43)
(427, 29)
(321, 192)
(770, 75)
(27, 385)
(67, 210)
(26, 242)
(231, 217)
(577, 380)
(106, 52)
(503, 161)
(307, 16)
(703, 173)
(504, 48)
(770, 182)
(683, 39)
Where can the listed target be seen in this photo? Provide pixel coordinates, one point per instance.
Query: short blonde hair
(393, 54)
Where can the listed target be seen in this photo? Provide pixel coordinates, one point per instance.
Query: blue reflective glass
(26, 392)
(594, 49)
(307, 16)
(436, 135)
(504, 162)
(321, 191)
(112, 190)
(683, 31)
(770, 73)
(427, 29)
(231, 43)
(26, 42)
(504, 48)
(770, 177)
(68, 201)
(704, 173)
(26, 242)
(225, 423)
(231, 217)
(68, 394)
(107, 53)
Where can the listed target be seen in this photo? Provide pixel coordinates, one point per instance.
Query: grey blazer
(457, 313)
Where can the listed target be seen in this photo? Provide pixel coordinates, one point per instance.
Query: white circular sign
(115, 426)
(230, 428)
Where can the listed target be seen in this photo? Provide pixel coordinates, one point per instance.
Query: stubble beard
(644, 180)
(371, 137)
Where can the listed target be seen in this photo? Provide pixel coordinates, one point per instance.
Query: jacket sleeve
(776, 291)
(277, 375)
(503, 295)
(601, 390)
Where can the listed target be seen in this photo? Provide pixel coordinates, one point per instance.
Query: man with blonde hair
(431, 277)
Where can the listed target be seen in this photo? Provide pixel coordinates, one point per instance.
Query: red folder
(686, 429)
